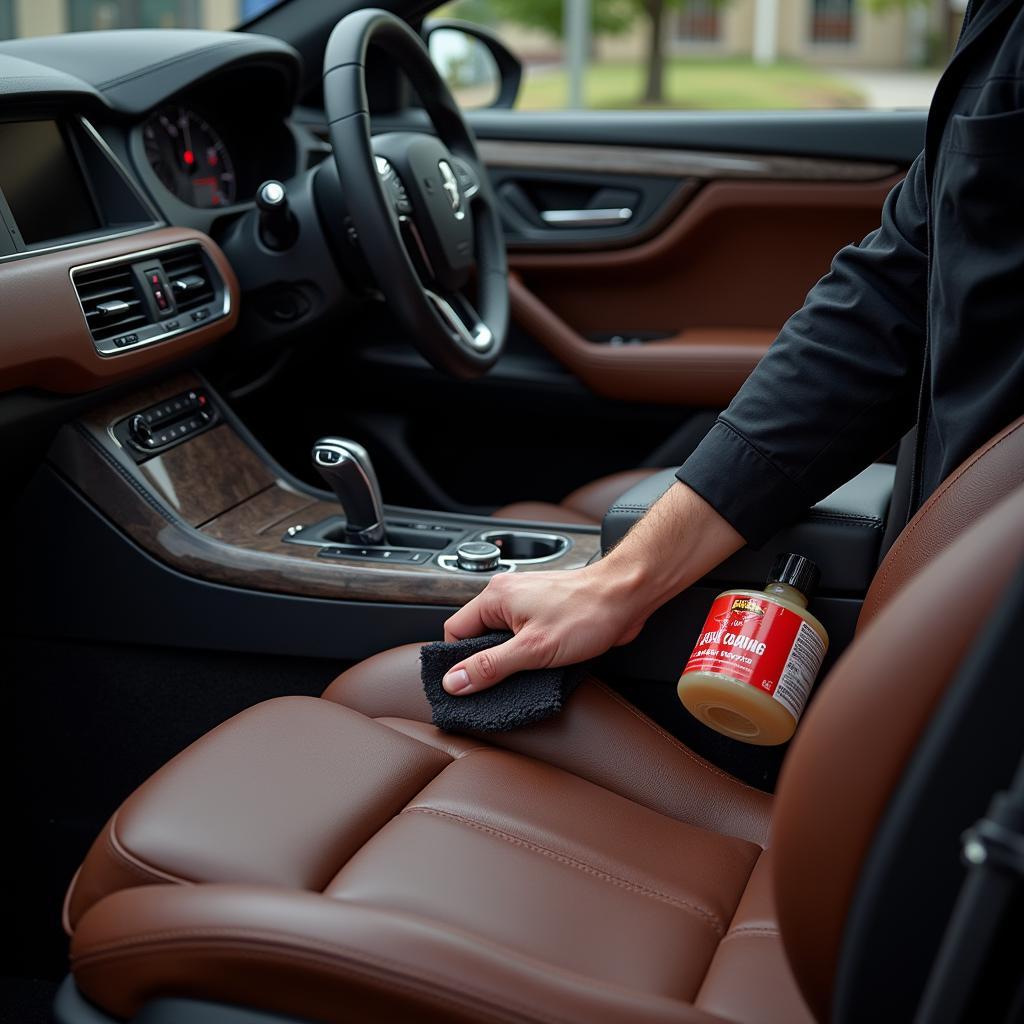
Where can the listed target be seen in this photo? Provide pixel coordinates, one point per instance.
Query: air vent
(111, 301)
(190, 277)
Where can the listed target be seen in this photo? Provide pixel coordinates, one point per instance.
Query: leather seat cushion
(584, 506)
(554, 867)
(310, 799)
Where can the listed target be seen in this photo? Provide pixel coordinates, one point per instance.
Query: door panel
(711, 290)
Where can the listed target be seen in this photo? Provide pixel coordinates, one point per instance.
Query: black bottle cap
(798, 572)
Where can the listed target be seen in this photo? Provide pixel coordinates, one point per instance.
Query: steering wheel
(421, 204)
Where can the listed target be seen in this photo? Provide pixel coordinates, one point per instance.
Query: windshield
(22, 18)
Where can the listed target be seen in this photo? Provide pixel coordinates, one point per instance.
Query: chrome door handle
(587, 218)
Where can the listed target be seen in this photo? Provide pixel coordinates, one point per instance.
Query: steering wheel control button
(150, 431)
(478, 556)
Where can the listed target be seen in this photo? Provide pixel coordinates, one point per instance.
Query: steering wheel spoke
(462, 319)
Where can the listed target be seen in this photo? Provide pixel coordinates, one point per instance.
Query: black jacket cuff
(742, 485)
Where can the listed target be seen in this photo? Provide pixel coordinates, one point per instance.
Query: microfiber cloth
(517, 701)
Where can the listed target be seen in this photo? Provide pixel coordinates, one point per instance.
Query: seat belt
(978, 973)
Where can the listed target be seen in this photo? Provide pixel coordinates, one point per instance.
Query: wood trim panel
(674, 163)
(243, 546)
(44, 342)
(207, 476)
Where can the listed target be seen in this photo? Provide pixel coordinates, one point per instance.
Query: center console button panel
(376, 554)
(152, 430)
(435, 539)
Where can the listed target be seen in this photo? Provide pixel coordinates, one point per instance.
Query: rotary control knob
(478, 556)
(139, 431)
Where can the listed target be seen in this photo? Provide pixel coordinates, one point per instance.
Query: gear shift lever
(347, 468)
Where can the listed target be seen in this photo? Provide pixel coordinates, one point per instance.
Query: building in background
(828, 32)
(50, 17)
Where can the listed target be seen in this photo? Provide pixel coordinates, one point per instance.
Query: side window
(6, 19)
(84, 15)
(720, 54)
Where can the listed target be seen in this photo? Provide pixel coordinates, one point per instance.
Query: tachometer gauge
(190, 158)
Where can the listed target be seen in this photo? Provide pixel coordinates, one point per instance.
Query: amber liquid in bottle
(757, 657)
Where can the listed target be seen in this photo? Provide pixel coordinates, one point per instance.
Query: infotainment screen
(41, 180)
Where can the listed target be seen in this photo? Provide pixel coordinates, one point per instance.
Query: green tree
(609, 17)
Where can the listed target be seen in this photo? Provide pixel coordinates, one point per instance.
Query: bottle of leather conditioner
(757, 657)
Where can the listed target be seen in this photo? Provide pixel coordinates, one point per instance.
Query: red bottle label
(762, 644)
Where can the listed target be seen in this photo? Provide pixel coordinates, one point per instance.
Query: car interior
(296, 354)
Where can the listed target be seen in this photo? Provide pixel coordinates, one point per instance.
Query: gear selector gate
(405, 536)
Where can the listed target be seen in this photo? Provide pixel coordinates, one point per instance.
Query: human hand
(559, 618)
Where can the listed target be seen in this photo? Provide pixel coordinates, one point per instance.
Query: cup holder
(526, 546)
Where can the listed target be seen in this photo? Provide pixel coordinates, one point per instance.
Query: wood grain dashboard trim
(44, 341)
(241, 543)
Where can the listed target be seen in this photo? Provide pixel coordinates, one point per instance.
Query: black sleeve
(836, 389)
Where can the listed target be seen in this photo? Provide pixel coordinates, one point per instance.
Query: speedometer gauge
(190, 158)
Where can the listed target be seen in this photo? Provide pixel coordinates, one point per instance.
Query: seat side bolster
(976, 485)
(329, 960)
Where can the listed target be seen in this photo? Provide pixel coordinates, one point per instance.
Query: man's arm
(835, 391)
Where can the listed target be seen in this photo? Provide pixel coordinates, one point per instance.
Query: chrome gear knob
(348, 471)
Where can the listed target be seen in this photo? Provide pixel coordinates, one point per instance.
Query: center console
(175, 470)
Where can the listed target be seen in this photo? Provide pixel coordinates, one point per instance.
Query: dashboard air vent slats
(111, 301)
(190, 278)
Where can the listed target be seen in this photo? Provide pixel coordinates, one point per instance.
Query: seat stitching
(681, 747)
(931, 503)
(758, 931)
(215, 936)
(120, 853)
(454, 757)
(589, 869)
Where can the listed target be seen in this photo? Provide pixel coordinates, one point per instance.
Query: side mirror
(478, 68)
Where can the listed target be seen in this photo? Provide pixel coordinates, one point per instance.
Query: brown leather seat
(341, 859)
(585, 506)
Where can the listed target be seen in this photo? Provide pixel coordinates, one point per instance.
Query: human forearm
(679, 540)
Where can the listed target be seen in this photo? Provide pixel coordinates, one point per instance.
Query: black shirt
(922, 319)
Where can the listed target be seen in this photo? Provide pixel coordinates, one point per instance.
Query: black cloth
(923, 319)
(517, 701)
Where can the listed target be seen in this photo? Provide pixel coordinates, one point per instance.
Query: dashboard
(127, 160)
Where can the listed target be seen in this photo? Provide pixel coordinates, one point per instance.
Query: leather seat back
(859, 734)
(983, 479)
